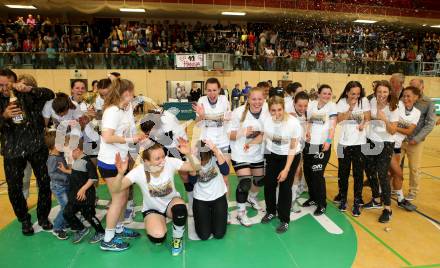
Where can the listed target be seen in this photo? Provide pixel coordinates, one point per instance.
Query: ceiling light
(230, 13)
(435, 26)
(424, 25)
(365, 21)
(132, 10)
(20, 7)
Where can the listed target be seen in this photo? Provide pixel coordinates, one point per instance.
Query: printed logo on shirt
(205, 176)
(318, 118)
(160, 190)
(357, 116)
(216, 120)
(403, 123)
(279, 140)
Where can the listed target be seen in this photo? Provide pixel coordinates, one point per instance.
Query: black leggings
(87, 211)
(377, 170)
(211, 217)
(274, 165)
(348, 156)
(315, 162)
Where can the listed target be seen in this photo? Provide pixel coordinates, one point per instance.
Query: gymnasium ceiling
(426, 12)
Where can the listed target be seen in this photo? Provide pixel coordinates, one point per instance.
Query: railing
(229, 62)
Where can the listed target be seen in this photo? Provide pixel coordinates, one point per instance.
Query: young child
(59, 183)
(82, 195)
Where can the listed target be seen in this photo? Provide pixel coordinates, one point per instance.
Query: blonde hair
(278, 100)
(247, 105)
(117, 88)
(28, 80)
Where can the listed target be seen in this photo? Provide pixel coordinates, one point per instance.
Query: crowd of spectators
(296, 45)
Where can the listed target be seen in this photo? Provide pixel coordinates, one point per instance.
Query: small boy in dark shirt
(82, 195)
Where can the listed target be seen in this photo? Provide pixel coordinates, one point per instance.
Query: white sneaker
(243, 219)
(253, 202)
(295, 207)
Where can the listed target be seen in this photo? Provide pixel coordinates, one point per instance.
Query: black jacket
(27, 138)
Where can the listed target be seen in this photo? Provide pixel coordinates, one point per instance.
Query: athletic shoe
(410, 196)
(128, 215)
(26, 228)
(46, 225)
(243, 219)
(386, 216)
(356, 210)
(79, 235)
(342, 206)
(319, 211)
(308, 203)
(116, 244)
(337, 199)
(253, 202)
(282, 228)
(372, 205)
(176, 246)
(60, 234)
(267, 218)
(295, 207)
(405, 204)
(128, 233)
(97, 237)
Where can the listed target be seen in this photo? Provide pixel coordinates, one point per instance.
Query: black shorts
(241, 165)
(152, 211)
(397, 150)
(107, 173)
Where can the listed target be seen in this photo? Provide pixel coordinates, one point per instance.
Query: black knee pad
(244, 184)
(157, 240)
(179, 214)
(258, 181)
(189, 187)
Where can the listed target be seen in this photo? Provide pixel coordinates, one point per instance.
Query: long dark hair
(392, 99)
(348, 87)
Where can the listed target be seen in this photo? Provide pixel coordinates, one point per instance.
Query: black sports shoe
(60, 234)
(308, 203)
(356, 210)
(282, 228)
(26, 228)
(386, 216)
(337, 199)
(46, 225)
(372, 205)
(267, 218)
(319, 211)
(342, 207)
(406, 204)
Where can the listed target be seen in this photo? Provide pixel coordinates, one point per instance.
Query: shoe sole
(407, 209)
(61, 238)
(113, 249)
(83, 236)
(375, 207)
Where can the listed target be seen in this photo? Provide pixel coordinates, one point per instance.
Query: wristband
(328, 140)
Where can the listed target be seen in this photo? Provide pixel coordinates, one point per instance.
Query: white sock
(241, 207)
(119, 228)
(253, 194)
(190, 198)
(109, 234)
(178, 231)
(294, 190)
(130, 204)
(399, 195)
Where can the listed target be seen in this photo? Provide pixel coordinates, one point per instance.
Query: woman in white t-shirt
(408, 118)
(247, 150)
(291, 90)
(210, 205)
(380, 139)
(118, 131)
(321, 124)
(61, 110)
(155, 178)
(281, 135)
(353, 113)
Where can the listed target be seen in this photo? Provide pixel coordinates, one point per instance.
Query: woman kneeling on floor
(155, 178)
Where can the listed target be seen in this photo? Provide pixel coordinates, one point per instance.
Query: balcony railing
(212, 61)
